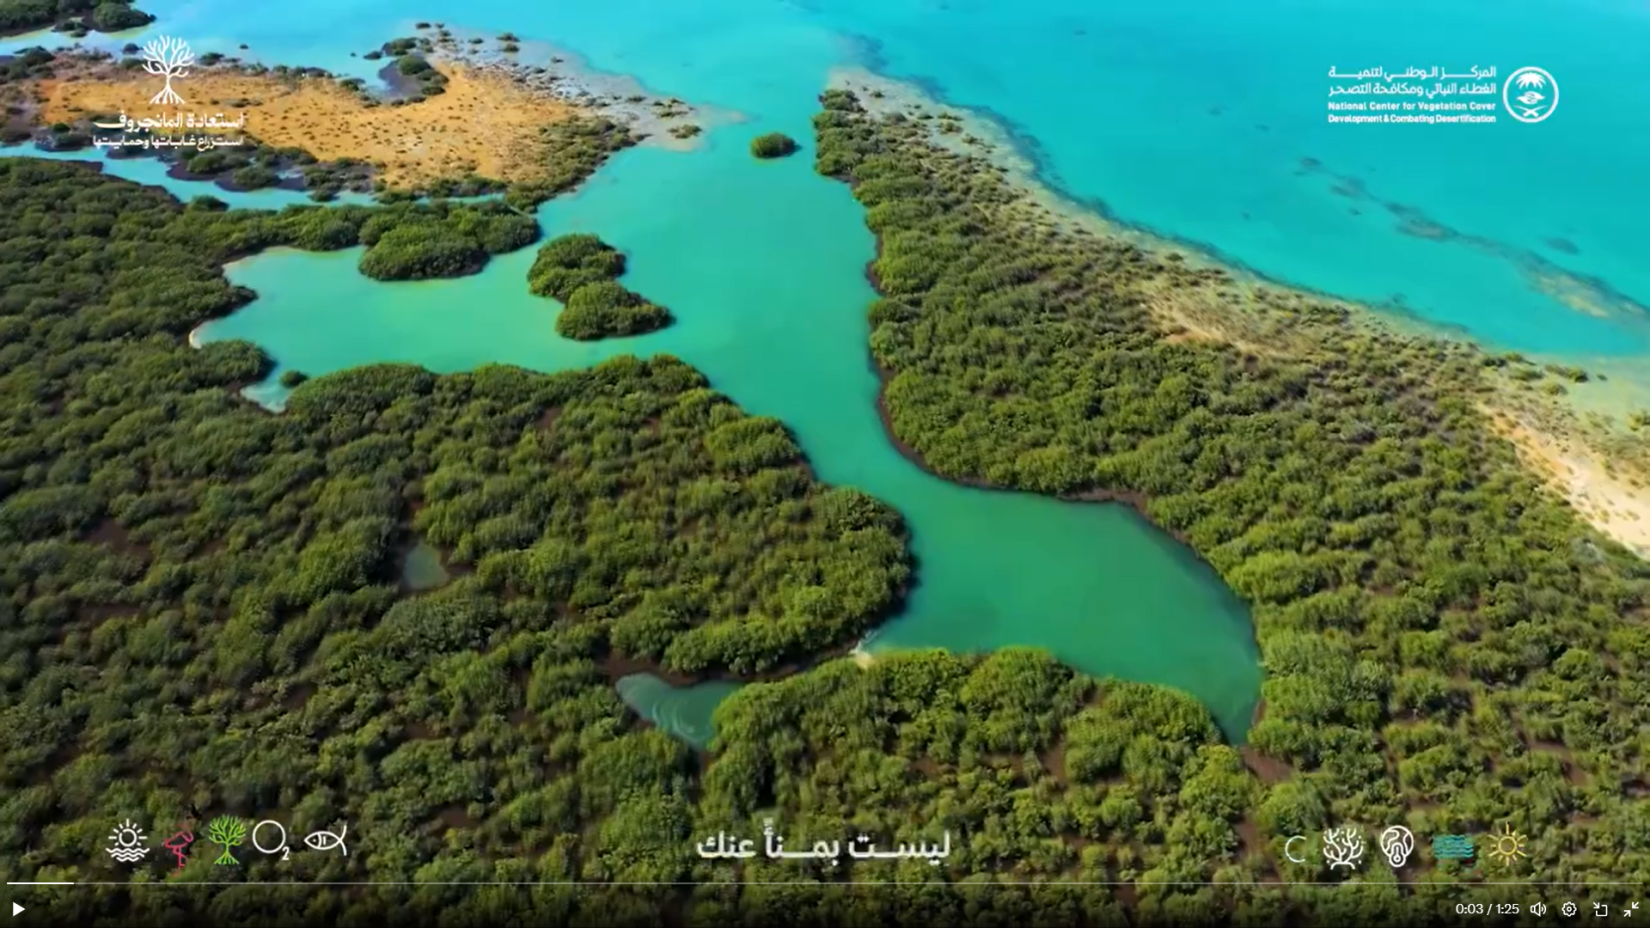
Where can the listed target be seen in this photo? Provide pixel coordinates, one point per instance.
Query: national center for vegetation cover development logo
(1537, 97)
(1440, 95)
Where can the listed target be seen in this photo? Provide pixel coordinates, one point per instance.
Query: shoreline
(983, 134)
(1567, 417)
(1130, 499)
(544, 67)
(615, 666)
(1097, 496)
(397, 134)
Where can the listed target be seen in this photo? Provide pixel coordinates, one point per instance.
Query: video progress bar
(1465, 884)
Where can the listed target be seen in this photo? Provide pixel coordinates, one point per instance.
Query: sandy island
(492, 119)
(483, 124)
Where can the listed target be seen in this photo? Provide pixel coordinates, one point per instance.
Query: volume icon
(1538, 909)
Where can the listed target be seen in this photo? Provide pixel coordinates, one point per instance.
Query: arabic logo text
(724, 845)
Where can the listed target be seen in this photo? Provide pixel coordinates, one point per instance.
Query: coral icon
(1343, 847)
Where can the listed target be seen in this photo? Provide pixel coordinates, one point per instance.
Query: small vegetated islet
(582, 272)
(773, 145)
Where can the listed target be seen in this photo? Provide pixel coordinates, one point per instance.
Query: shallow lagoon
(683, 711)
(1149, 112)
(773, 313)
(1153, 111)
(774, 316)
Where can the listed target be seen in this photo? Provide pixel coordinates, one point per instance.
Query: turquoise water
(153, 173)
(1197, 120)
(762, 264)
(683, 711)
(1189, 117)
(421, 568)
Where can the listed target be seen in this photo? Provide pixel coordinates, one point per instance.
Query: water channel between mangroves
(771, 307)
(762, 263)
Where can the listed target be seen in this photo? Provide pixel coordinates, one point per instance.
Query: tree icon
(227, 832)
(169, 58)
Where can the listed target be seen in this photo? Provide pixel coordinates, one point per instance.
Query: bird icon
(178, 844)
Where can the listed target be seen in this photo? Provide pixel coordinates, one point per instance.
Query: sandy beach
(1607, 499)
(490, 120)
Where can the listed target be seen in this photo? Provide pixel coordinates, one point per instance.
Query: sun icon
(1506, 844)
(126, 843)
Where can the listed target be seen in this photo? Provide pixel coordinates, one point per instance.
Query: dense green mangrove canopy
(74, 16)
(201, 610)
(1447, 645)
(582, 272)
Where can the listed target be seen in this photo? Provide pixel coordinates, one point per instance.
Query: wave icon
(128, 855)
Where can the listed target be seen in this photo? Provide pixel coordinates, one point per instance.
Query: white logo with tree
(168, 58)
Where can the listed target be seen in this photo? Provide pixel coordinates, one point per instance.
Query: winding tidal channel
(771, 307)
(1525, 237)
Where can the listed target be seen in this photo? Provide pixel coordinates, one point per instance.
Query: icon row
(127, 842)
(1600, 909)
(1343, 847)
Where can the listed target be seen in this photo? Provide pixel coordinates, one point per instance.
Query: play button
(16, 910)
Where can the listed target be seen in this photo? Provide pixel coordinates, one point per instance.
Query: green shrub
(773, 145)
(605, 309)
(422, 251)
(567, 263)
(412, 65)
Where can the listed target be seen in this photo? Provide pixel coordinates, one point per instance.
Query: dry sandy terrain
(484, 123)
(1612, 504)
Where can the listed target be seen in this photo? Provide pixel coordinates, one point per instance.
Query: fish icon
(326, 840)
